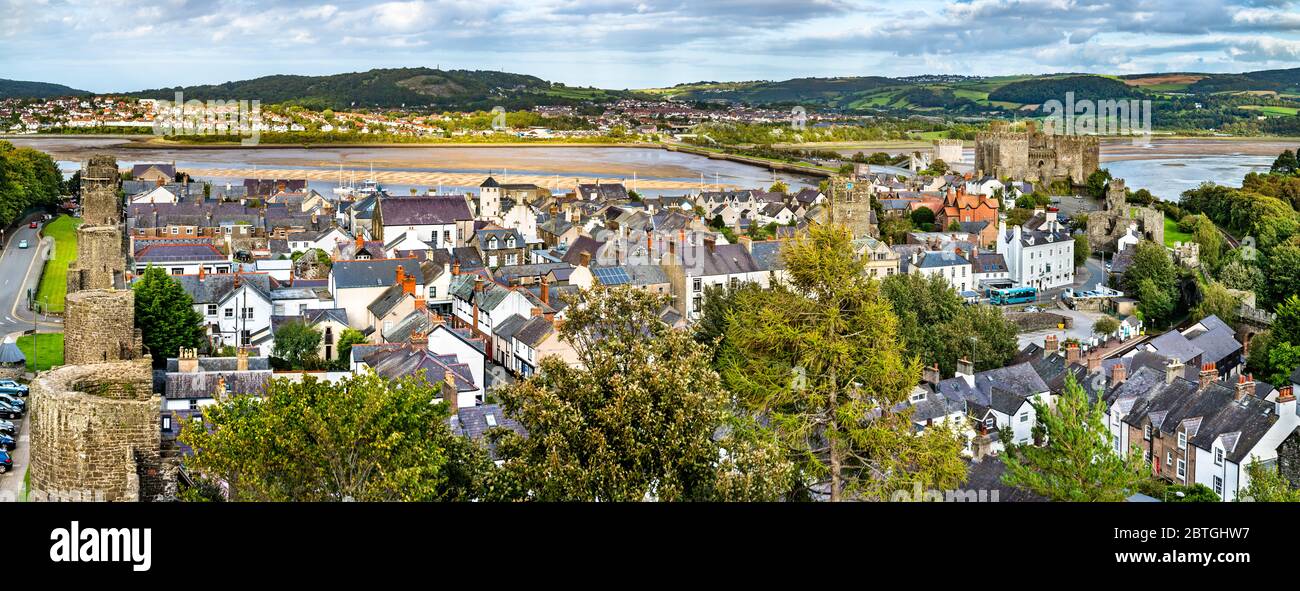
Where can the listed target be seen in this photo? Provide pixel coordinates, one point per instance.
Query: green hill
(25, 89)
(389, 88)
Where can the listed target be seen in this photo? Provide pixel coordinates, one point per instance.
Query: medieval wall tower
(1037, 156)
(95, 421)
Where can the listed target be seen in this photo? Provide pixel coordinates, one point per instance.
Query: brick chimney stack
(419, 339)
(1208, 374)
(930, 374)
(1072, 353)
(1051, 344)
(1245, 386)
(545, 292)
(1173, 370)
(1117, 375)
(1285, 402)
(449, 390)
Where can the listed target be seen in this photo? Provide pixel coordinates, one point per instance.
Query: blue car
(6, 462)
(14, 401)
(7, 442)
(10, 412)
(12, 387)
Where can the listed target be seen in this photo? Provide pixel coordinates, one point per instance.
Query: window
(1182, 469)
(1182, 440)
(230, 312)
(446, 238)
(433, 292)
(175, 230)
(919, 396)
(1115, 439)
(1146, 433)
(167, 424)
(178, 270)
(989, 423)
(248, 314)
(1146, 456)
(492, 243)
(1024, 417)
(1218, 486)
(697, 284)
(212, 309)
(1218, 457)
(1169, 458)
(194, 404)
(189, 231)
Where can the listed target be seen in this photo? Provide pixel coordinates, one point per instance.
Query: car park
(9, 411)
(12, 387)
(14, 401)
(7, 442)
(8, 427)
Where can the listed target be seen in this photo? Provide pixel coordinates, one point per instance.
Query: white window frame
(1218, 456)
(1182, 440)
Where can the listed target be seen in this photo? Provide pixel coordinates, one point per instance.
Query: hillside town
(476, 296)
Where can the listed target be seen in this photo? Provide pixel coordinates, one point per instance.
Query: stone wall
(99, 263)
(100, 205)
(1107, 225)
(950, 151)
(1288, 459)
(1036, 156)
(95, 434)
(851, 206)
(99, 326)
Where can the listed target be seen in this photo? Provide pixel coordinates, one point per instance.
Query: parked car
(12, 387)
(6, 462)
(22, 244)
(10, 412)
(13, 400)
(8, 442)
(7, 427)
(33, 225)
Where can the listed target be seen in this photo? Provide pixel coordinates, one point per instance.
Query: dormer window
(1182, 441)
(510, 242)
(492, 243)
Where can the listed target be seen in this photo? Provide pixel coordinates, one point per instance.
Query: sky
(112, 45)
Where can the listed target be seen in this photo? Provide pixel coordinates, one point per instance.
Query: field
(48, 354)
(1172, 234)
(1284, 111)
(54, 280)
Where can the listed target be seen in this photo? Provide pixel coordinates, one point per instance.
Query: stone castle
(1041, 157)
(1116, 217)
(95, 431)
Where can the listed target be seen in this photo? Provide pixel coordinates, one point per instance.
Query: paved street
(20, 269)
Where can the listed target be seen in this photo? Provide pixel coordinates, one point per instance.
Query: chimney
(930, 375)
(1051, 344)
(966, 371)
(188, 361)
(361, 241)
(1117, 375)
(1285, 402)
(585, 259)
(710, 243)
(535, 312)
(478, 288)
(200, 272)
(419, 340)
(241, 359)
(455, 268)
(1173, 370)
(1207, 375)
(1245, 386)
(1094, 363)
(408, 283)
(545, 293)
(748, 243)
(420, 304)
(449, 390)
(1072, 353)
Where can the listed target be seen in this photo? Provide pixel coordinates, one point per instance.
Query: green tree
(349, 337)
(1286, 326)
(644, 417)
(1096, 183)
(165, 315)
(1286, 163)
(718, 304)
(1207, 236)
(779, 187)
(365, 438)
(1156, 303)
(820, 360)
(954, 226)
(1216, 300)
(937, 326)
(1282, 272)
(1082, 249)
(1075, 462)
(1106, 325)
(1243, 276)
(1266, 485)
(1194, 493)
(922, 216)
(296, 343)
(1283, 359)
(1153, 279)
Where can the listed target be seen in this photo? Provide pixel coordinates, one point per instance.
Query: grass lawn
(49, 354)
(1285, 111)
(1172, 234)
(54, 281)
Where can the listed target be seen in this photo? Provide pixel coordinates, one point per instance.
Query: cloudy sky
(112, 45)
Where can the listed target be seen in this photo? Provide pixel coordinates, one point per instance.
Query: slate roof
(767, 255)
(940, 258)
(215, 288)
(417, 320)
(990, 262)
(387, 300)
(725, 259)
(508, 327)
(1173, 344)
(372, 273)
(162, 252)
(424, 211)
(10, 354)
(406, 360)
(203, 384)
(534, 331)
(987, 475)
(603, 191)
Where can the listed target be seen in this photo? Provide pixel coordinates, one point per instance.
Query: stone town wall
(100, 204)
(99, 326)
(95, 434)
(100, 263)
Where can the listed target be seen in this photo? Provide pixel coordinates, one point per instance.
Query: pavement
(20, 269)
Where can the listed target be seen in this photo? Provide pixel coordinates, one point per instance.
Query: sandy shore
(435, 179)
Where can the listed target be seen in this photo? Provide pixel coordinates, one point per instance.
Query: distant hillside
(395, 88)
(831, 92)
(1038, 91)
(25, 89)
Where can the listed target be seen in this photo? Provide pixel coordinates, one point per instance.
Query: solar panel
(612, 275)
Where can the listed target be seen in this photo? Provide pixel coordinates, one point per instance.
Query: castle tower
(95, 421)
(100, 262)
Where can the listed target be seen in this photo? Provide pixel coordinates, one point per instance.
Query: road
(20, 269)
